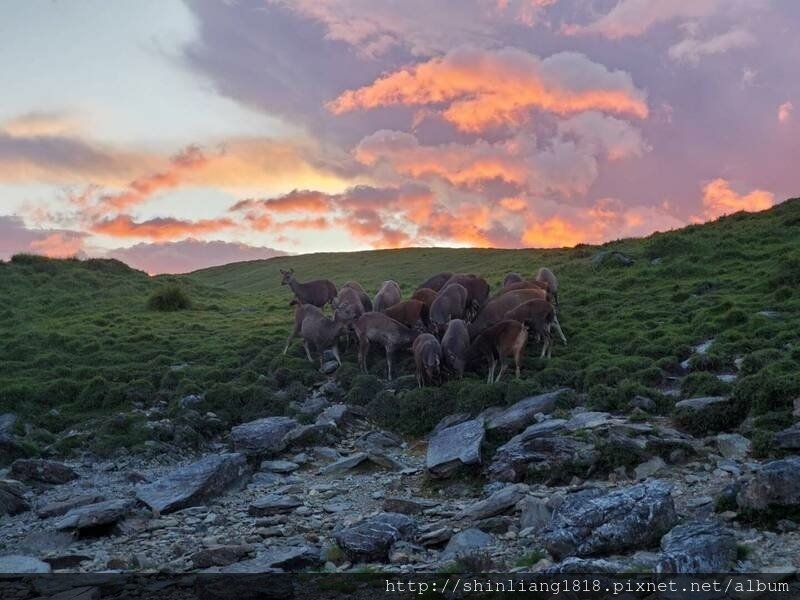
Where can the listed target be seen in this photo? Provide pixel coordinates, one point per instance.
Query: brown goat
(450, 303)
(426, 295)
(322, 332)
(503, 339)
(317, 293)
(540, 317)
(477, 290)
(435, 282)
(301, 311)
(455, 343)
(388, 295)
(378, 328)
(547, 276)
(528, 284)
(511, 278)
(427, 358)
(350, 297)
(410, 313)
(366, 301)
(495, 310)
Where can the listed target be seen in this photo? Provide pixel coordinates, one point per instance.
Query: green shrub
(755, 361)
(169, 298)
(414, 412)
(363, 389)
(700, 384)
(771, 389)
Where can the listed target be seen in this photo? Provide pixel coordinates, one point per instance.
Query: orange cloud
(159, 228)
(294, 201)
(59, 245)
(484, 88)
(719, 199)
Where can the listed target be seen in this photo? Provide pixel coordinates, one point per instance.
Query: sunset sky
(176, 135)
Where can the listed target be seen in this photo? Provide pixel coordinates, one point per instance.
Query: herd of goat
(449, 322)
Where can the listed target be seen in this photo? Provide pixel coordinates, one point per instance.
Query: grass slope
(79, 342)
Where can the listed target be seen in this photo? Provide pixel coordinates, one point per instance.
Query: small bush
(701, 383)
(169, 298)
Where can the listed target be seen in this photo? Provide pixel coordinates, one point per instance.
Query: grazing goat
(455, 343)
(410, 313)
(450, 303)
(378, 328)
(427, 358)
(349, 296)
(477, 290)
(495, 310)
(366, 301)
(511, 278)
(426, 295)
(301, 311)
(547, 276)
(540, 317)
(503, 339)
(388, 295)
(317, 293)
(435, 282)
(322, 332)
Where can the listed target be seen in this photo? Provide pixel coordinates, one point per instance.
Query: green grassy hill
(79, 343)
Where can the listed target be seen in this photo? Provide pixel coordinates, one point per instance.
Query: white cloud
(691, 50)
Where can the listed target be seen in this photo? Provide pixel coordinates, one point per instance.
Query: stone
(311, 406)
(595, 522)
(404, 553)
(643, 403)
(12, 497)
(590, 565)
(56, 509)
(455, 447)
(10, 449)
(311, 435)
(337, 414)
(465, 543)
(358, 459)
(450, 421)
(262, 436)
(95, 516)
(788, 439)
(17, 563)
(407, 506)
(435, 537)
(285, 558)
(370, 539)
(700, 404)
(220, 556)
(518, 416)
(378, 440)
(497, 503)
(534, 513)
(273, 504)
(195, 483)
(42, 471)
(279, 466)
(587, 420)
(700, 416)
(733, 445)
(66, 561)
(649, 468)
(7, 422)
(776, 484)
(612, 258)
(698, 547)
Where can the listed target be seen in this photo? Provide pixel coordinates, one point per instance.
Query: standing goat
(455, 343)
(317, 293)
(411, 313)
(388, 295)
(503, 339)
(496, 309)
(540, 318)
(451, 303)
(366, 301)
(547, 276)
(427, 359)
(377, 328)
(322, 332)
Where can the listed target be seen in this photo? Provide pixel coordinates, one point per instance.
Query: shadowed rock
(285, 558)
(465, 543)
(273, 504)
(92, 516)
(56, 509)
(262, 436)
(496, 503)
(42, 471)
(698, 547)
(12, 497)
(370, 539)
(16, 563)
(518, 416)
(776, 484)
(455, 447)
(220, 556)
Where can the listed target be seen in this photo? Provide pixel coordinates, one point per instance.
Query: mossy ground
(79, 342)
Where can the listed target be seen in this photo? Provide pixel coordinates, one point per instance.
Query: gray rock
(359, 459)
(220, 556)
(733, 445)
(42, 471)
(649, 468)
(465, 543)
(311, 406)
(195, 483)
(435, 537)
(311, 435)
(273, 504)
(775, 484)
(587, 420)
(450, 421)
(497, 503)
(92, 516)
(338, 414)
(593, 522)
(643, 403)
(611, 258)
(16, 563)
(788, 439)
(534, 513)
(12, 497)
(700, 404)
(285, 558)
(262, 436)
(56, 509)
(10, 449)
(591, 565)
(279, 466)
(7, 422)
(698, 547)
(518, 416)
(370, 539)
(378, 440)
(407, 506)
(455, 447)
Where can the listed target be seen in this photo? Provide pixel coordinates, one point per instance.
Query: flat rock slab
(788, 439)
(518, 416)
(311, 435)
(196, 483)
(733, 445)
(284, 558)
(56, 509)
(12, 497)
(42, 471)
(273, 504)
(279, 466)
(698, 547)
(593, 522)
(455, 447)
(16, 563)
(220, 556)
(495, 504)
(465, 543)
(370, 540)
(262, 436)
(360, 459)
(697, 404)
(407, 506)
(96, 515)
(775, 484)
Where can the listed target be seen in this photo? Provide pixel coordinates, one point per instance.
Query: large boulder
(262, 436)
(56, 509)
(371, 539)
(698, 547)
(710, 414)
(788, 439)
(16, 563)
(195, 483)
(95, 516)
(12, 497)
(317, 434)
(495, 504)
(775, 484)
(455, 447)
(42, 471)
(275, 558)
(518, 416)
(594, 522)
(465, 543)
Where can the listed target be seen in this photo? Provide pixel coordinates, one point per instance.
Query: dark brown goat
(427, 358)
(495, 310)
(455, 343)
(539, 316)
(317, 293)
(477, 290)
(511, 278)
(301, 311)
(388, 295)
(450, 303)
(377, 328)
(528, 284)
(435, 282)
(547, 276)
(410, 313)
(426, 295)
(503, 339)
(366, 301)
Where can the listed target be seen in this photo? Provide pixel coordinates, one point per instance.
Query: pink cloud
(785, 112)
(720, 199)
